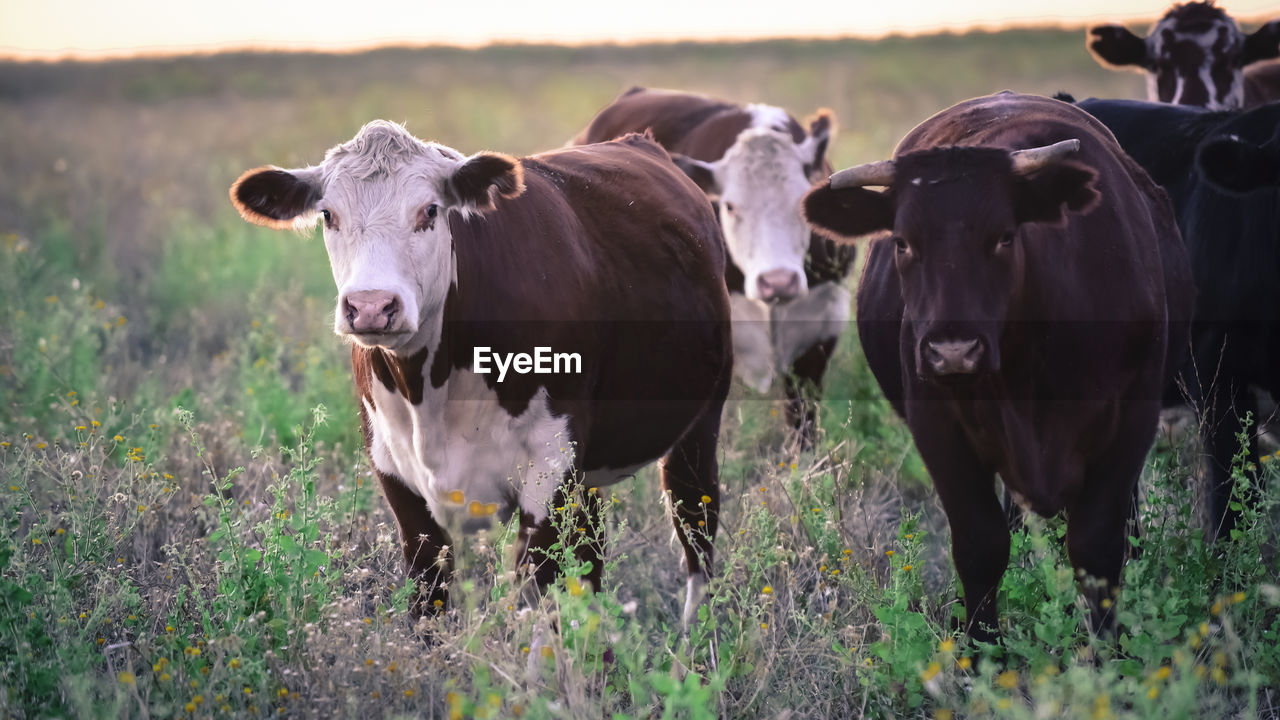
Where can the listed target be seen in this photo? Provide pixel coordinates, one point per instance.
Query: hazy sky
(54, 28)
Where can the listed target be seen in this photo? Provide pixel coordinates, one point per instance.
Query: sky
(50, 29)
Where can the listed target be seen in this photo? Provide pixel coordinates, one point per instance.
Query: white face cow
(1194, 55)
(383, 196)
(759, 183)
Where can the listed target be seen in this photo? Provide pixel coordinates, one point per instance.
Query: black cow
(1222, 172)
(1023, 314)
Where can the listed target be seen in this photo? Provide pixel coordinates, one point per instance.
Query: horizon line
(73, 55)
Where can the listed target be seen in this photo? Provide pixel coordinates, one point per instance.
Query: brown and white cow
(756, 162)
(1023, 312)
(1195, 55)
(447, 264)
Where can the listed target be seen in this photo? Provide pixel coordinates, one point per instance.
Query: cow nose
(778, 285)
(371, 310)
(956, 357)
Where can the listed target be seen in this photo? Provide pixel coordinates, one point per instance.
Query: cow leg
(1099, 518)
(424, 543)
(691, 478)
(804, 379)
(979, 531)
(575, 519)
(1228, 401)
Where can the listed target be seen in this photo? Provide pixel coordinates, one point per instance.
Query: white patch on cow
(466, 455)
(768, 116)
(694, 595)
(1207, 40)
(768, 338)
(752, 348)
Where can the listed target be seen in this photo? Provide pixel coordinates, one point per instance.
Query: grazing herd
(1042, 277)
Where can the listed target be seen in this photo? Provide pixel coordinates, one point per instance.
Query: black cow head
(1238, 165)
(955, 215)
(1195, 55)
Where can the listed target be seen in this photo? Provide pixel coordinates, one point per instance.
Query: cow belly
(767, 339)
(465, 455)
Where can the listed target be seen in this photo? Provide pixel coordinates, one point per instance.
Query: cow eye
(1006, 240)
(729, 208)
(330, 220)
(427, 218)
(900, 243)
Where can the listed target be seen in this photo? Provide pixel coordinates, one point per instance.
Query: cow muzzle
(953, 357)
(373, 312)
(778, 285)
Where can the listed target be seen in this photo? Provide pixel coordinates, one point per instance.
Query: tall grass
(189, 524)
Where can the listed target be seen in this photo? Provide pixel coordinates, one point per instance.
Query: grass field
(190, 528)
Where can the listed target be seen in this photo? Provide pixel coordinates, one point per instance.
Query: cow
(1195, 55)
(1222, 172)
(1020, 308)
(786, 284)
(448, 264)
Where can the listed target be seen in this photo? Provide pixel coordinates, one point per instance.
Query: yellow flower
(1153, 692)
(95, 423)
(198, 699)
(118, 438)
(36, 541)
(81, 428)
(1238, 598)
(575, 588)
(456, 497)
(947, 645)
(165, 677)
(1007, 679)
(546, 651)
(930, 672)
(942, 714)
(408, 693)
(764, 626)
(282, 692)
(888, 553)
(126, 678)
(41, 445)
(706, 499)
(120, 321)
(233, 663)
(1163, 673)
(767, 589)
(907, 568)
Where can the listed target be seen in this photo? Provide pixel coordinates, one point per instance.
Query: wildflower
(947, 645)
(764, 626)
(888, 553)
(4, 443)
(142, 508)
(41, 445)
(1007, 679)
(391, 667)
(120, 321)
(456, 497)
(36, 541)
(189, 707)
(168, 628)
(198, 699)
(907, 568)
(1216, 609)
(99, 304)
(1219, 676)
(767, 589)
(706, 499)
(95, 423)
(118, 438)
(546, 651)
(1153, 692)
(233, 663)
(942, 714)
(1163, 673)
(126, 678)
(165, 677)
(575, 588)
(81, 428)
(930, 672)
(437, 603)
(408, 693)
(1238, 598)
(282, 692)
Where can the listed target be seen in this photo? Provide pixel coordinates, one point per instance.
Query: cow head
(1195, 55)
(384, 197)
(956, 215)
(759, 183)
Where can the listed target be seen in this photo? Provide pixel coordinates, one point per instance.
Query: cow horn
(874, 173)
(1033, 159)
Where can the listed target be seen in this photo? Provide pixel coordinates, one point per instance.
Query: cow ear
(1042, 195)
(848, 213)
(813, 151)
(703, 174)
(275, 198)
(1116, 45)
(1239, 166)
(1262, 44)
(480, 179)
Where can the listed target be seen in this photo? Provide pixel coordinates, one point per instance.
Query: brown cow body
(605, 252)
(786, 284)
(1016, 337)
